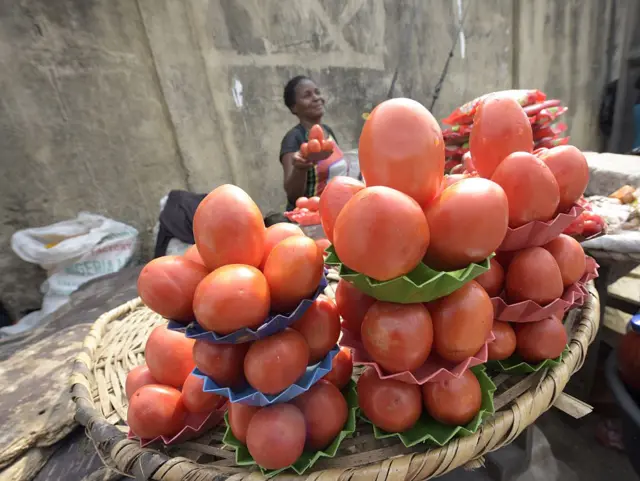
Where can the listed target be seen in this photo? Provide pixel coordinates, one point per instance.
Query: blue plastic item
(272, 325)
(634, 323)
(252, 397)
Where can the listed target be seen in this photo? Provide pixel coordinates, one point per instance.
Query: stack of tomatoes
(165, 398)
(542, 273)
(385, 229)
(239, 277)
(588, 224)
(410, 213)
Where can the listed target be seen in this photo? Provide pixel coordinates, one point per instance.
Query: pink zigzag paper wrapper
(435, 369)
(196, 424)
(537, 233)
(529, 311)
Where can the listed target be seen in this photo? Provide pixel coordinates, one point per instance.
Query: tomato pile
(305, 212)
(241, 278)
(588, 224)
(408, 213)
(541, 114)
(229, 289)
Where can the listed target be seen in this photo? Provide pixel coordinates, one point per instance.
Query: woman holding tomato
(304, 176)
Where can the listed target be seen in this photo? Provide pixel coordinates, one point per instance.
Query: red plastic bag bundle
(465, 113)
(548, 131)
(550, 142)
(542, 114)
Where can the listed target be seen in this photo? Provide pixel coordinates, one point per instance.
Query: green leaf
(428, 430)
(422, 284)
(516, 365)
(308, 459)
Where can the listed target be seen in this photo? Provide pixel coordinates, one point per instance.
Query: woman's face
(309, 101)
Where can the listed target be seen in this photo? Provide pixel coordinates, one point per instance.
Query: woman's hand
(301, 163)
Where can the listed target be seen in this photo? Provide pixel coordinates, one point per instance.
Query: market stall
(438, 318)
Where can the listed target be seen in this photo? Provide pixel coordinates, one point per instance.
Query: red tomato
(576, 227)
(451, 179)
(389, 404)
(468, 221)
(352, 304)
(274, 363)
(530, 186)
(156, 410)
(314, 204)
(316, 133)
(302, 202)
(304, 150)
(195, 399)
(232, 297)
(341, 368)
(276, 436)
(305, 210)
(334, 196)
(533, 275)
(228, 228)
(537, 341)
(167, 285)
(504, 345)
(325, 413)
(454, 402)
(314, 146)
(401, 147)
(381, 233)
(323, 245)
(505, 257)
(192, 254)
(461, 322)
(500, 127)
(320, 326)
(571, 171)
(223, 363)
(293, 270)
(276, 233)
(239, 417)
(492, 281)
(397, 336)
(327, 145)
(569, 255)
(138, 377)
(168, 356)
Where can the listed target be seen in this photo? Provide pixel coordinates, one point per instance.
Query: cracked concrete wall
(108, 104)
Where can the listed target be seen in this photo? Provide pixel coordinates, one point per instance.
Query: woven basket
(116, 344)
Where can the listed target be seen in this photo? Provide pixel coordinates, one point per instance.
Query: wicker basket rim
(126, 456)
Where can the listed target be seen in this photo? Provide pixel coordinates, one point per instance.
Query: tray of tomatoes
(439, 275)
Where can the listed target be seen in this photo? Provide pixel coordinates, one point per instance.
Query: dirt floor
(565, 450)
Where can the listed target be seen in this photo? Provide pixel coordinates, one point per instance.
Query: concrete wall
(107, 104)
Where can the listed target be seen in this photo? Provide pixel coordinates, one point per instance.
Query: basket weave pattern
(116, 344)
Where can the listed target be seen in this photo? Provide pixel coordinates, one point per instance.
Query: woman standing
(302, 177)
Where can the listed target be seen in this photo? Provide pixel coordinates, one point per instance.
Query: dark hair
(290, 90)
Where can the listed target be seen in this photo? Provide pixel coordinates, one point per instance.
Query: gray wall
(108, 104)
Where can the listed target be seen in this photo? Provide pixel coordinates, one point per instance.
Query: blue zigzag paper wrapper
(272, 325)
(252, 397)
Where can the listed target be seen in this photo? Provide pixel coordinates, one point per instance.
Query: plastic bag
(72, 252)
